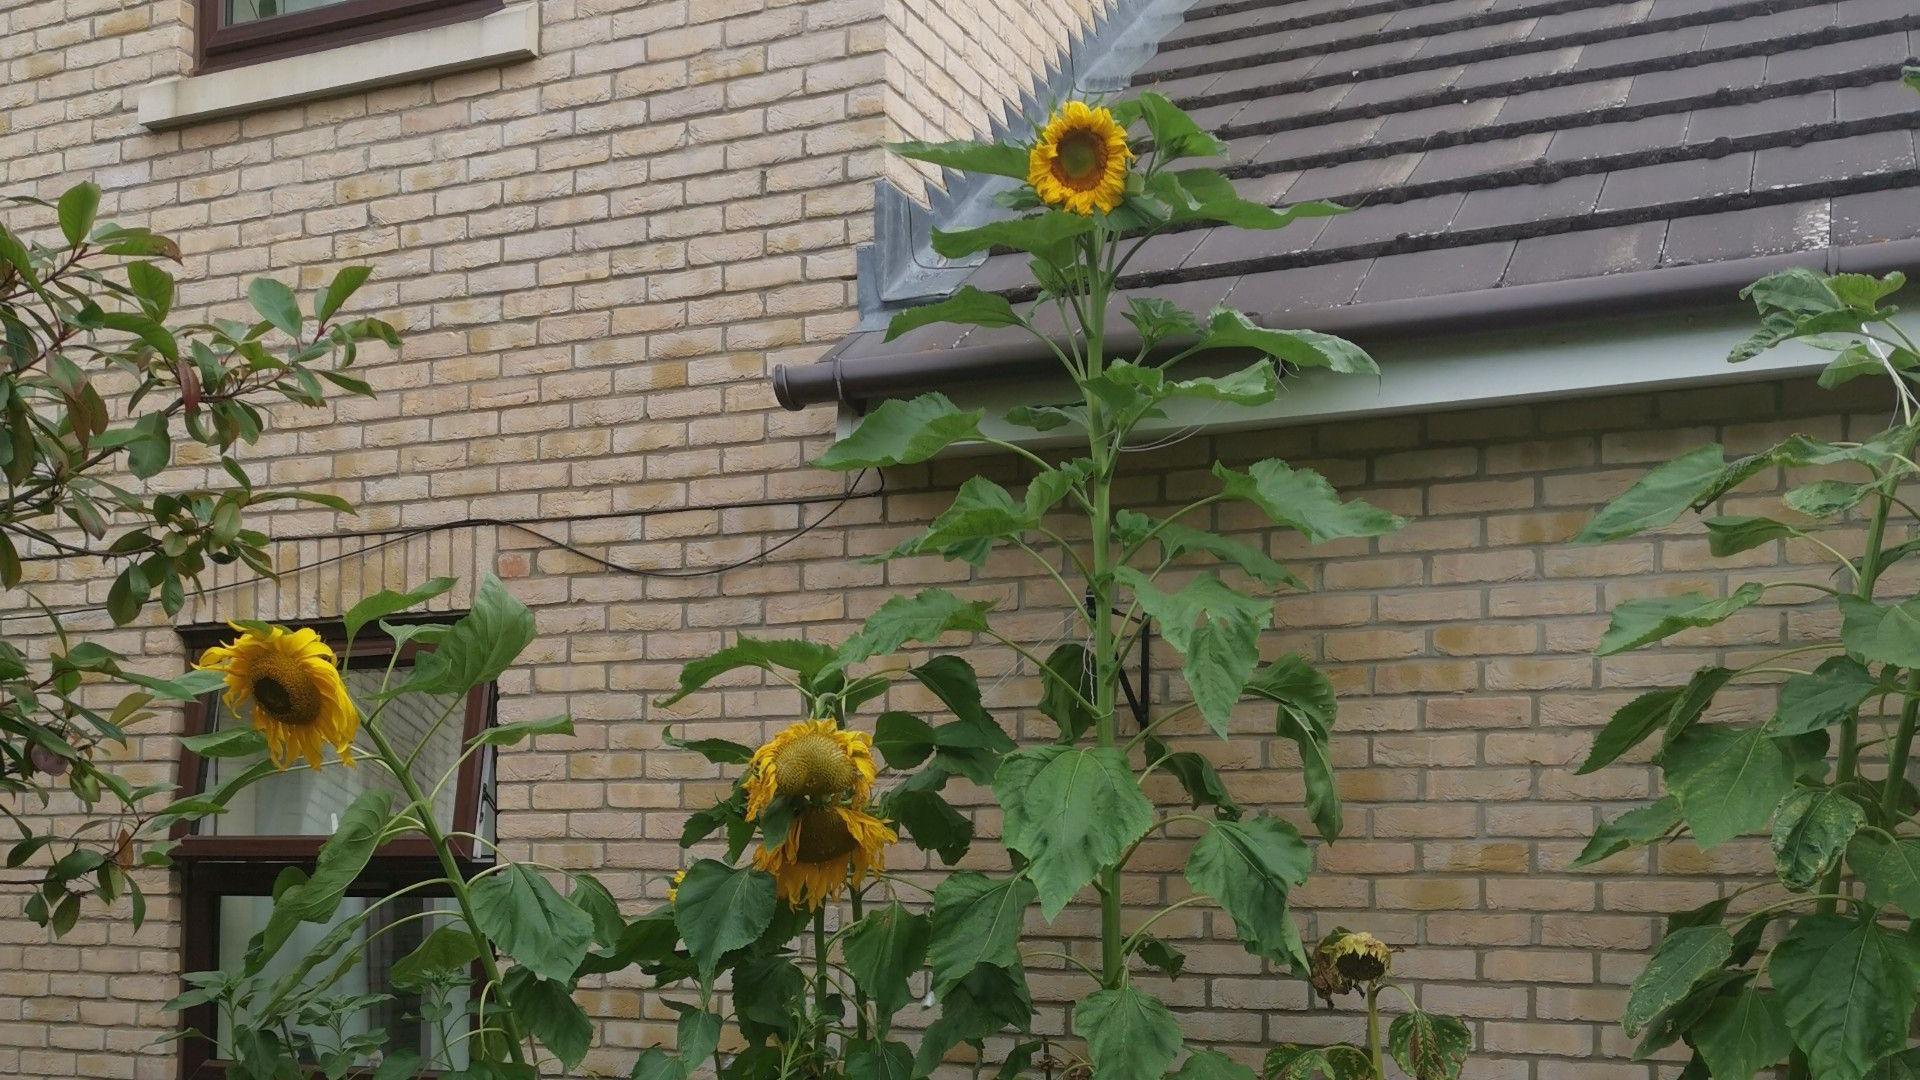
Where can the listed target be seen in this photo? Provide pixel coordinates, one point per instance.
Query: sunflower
(291, 681)
(814, 759)
(1080, 162)
(1360, 957)
(826, 846)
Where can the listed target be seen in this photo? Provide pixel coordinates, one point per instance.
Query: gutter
(853, 381)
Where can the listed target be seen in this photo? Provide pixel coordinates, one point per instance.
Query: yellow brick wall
(596, 259)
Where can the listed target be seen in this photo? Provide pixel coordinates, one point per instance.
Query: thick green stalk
(820, 960)
(857, 898)
(456, 882)
(1902, 746)
(1373, 1032)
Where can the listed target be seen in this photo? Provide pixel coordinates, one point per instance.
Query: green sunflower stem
(1373, 1032)
(820, 985)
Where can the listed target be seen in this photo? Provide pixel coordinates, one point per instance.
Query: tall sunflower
(291, 680)
(826, 847)
(1080, 160)
(814, 759)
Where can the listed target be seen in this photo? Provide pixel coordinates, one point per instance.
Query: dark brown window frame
(217, 47)
(209, 868)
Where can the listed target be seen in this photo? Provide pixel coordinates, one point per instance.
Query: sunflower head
(826, 847)
(815, 760)
(1080, 161)
(290, 681)
(1360, 957)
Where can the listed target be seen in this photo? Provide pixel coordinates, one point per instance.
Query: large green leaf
(76, 209)
(315, 899)
(1629, 727)
(1304, 501)
(1203, 195)
(1066, 690)
(1045, 235)
(1848, 991)
(976, 921)
(1889, 869)
(1904, 1065)
(922, 617)
(1134, 388)
(1631, 829)
(1741, 1034)
(276, 304)
(548, 1012)
(982, 1002)
(903, 432)
(1830, 694)
(484, 643)
(1175, 135)
(1291, 1061)
(449, 950)
(1176, 540)
(1642, 622)
(1888, 633)
(1810, 831)
(388, 602)
(1427, 1046)
(1684, 958)
(880, 1061)
(1728, 780)
(1228, 329)
(982, 512)
(805, 658)
(1733, 535)
(1071, 812)
(1657, 498)
(719, 908)
(1130, 1034)
(969, 306)
(882, 950)
(1217, 632)
(1197, 777)
(1249, 867)
(1211, 1065)
(530, 921)
(1304, 712)
(997, 159)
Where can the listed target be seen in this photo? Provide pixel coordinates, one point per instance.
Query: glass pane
(360, 1007)
(308, 802)
(246, 11)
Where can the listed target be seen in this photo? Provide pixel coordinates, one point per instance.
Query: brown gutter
(1515, 307)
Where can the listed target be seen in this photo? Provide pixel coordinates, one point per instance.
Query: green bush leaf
(1249, 867)
(484, 643)
(531, 922)
(1638, 623)
(976, 921)
(1816, 701)
(343, 286)
(76, 210)
(547, 1011)
(969, 307)
(995, 159)
(1683, 958)
(1071, 813)
(1728, 780)
(1130, 1034)
(1889, 869)
(1848, 991)
(806, 658)
(1657, 498)
(276, 304)
(901, 432)
(1743, 1033)
(1228, 329)
(923, 617)
(1889, 634)
(1634, 828)
(1217, 632)
(1427, 1046)
(720, 908)
(1303, 500)
(1810, 831)
(388, 602)
(882, 950)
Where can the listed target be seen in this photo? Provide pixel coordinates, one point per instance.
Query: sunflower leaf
(1070, 812)
(968, 307)
(995, 159)
(720, 908)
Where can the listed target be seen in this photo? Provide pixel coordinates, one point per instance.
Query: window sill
(505, 36)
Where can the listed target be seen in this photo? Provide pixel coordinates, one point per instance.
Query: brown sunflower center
(1080, 160)
(813, 766)
(824, 836)
(286, 694)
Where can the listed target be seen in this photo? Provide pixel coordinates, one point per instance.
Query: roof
(1501, 145)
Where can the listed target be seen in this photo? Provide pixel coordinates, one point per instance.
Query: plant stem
(456, 882)
(1100, 438)
(858, 899)
(1373, 1031)
(1902, 747)
(820, 960)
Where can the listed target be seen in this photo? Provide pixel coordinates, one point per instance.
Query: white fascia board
(506, 36)
(1554, 363)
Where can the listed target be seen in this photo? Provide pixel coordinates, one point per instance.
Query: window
(236, 32)
(228, 863)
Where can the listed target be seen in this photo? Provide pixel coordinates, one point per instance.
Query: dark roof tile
(1572, 197)
(1861, 155)
(1766, 27)
(1519, 66)
(1694, 81)
(1679, 181)
(1640, 47)
(1741, 234)
(1601, 140)
(1875, 217)
(1774, 114)
(1372, 224)
(1565, 100)
(1432, 273)
(1877, 99)
(1592, 253)
(1474, 159)
(1424, 122)
(1839, 56)
(1550, 27)
(1275, 294)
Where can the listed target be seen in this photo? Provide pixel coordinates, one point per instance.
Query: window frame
(218, 47)
(208, 868)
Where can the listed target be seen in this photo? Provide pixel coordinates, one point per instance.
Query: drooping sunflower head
(815, 760)
(1080, 161)
(289, 680)
(826, 848)
(1361, 957)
